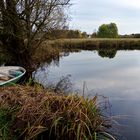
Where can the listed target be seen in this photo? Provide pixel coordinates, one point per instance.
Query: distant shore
(96, 43)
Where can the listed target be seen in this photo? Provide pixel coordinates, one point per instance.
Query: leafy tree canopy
(108, 31)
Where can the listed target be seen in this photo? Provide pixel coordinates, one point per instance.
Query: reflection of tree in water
(110, 53)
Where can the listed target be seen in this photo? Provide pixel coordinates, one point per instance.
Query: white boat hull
(8, 74)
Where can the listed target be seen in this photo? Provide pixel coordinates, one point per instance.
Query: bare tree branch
(28, 20)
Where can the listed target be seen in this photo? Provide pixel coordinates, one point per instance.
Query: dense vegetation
(27, 30)
(23, 21)
(66, 33)
(108, 31)
(94, 44)
(31, 113)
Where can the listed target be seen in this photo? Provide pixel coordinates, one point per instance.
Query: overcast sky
(88, 15)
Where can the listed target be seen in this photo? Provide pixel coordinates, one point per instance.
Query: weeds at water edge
(35, 114)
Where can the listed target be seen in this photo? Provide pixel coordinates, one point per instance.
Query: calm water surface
(117, 78)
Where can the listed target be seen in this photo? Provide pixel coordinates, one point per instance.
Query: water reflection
(102, 52)
(116, 78)
(118, 75)
(110, 53)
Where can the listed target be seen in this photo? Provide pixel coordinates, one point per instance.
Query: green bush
(108, 31)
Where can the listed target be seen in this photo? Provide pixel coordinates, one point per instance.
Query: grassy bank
(94, 44)
(50, 49)
(33, 113)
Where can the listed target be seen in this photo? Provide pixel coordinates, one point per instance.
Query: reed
(46, 52)
(50, 50)
(32, 113)
(95, 44)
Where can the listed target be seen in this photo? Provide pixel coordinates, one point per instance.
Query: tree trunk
(12, 36)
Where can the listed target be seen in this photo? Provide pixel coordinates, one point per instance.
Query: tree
(84, 35)
(94, 35)
(22, 22)
(108, 31)
(74, 34)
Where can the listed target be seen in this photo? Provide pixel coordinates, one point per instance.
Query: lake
(116, 77)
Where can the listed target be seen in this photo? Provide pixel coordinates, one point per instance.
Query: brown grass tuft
(37, 114)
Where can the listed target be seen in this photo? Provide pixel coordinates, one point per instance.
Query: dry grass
(97, 43)
(46, 52)
(32, 113)
(50, 49)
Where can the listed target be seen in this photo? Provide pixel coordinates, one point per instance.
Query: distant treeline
(130, 36)
(104, 31)
(57, 34)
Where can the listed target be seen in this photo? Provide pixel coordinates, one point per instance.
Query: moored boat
(9, 75)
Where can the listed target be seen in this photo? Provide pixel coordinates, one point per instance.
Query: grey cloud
(88, 12)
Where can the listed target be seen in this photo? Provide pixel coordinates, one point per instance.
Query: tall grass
(51, 49)
(46, 52)
(32, 113)
(95, 44)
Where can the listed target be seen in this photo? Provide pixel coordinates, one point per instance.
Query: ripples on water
(117, 78)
